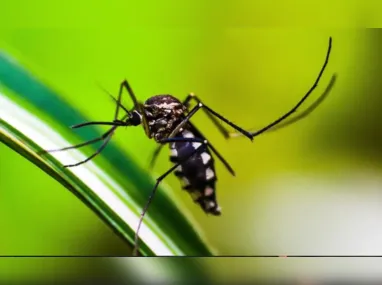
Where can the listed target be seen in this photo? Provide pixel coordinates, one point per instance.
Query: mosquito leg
(121, 106)
(228, 134)
(199, 106)
(158, 180)
(155, 156)
(105, 135)
(221, 158)
(213, 149)
(271, 126)
(217, 124)
(204, 141)
(137, 105)
(303, 114)
(294, 109)
(115, 121)
(311, 108)
(106, 141)
(118, 101)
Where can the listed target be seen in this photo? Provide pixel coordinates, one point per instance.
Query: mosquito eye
(135, 119)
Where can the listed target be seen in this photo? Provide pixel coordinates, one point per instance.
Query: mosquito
(167, 120)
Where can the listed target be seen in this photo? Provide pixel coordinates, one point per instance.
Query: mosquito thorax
(163, 113)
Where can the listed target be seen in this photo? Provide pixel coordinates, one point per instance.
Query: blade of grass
(86, 182)
(116, 193)
(27, 148)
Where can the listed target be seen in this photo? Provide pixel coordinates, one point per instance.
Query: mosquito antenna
(113, 98)
(120, 104)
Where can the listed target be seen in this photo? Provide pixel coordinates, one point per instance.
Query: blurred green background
(312, 188)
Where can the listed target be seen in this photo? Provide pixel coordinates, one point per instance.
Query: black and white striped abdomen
(197, 173)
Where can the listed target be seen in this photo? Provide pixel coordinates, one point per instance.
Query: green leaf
(33, 117)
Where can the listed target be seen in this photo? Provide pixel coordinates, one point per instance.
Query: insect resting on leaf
(167, 120)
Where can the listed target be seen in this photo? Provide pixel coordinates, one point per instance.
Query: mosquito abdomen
(197, 174)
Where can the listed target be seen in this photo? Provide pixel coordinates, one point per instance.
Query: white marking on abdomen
(208, 191)
(210, 204)
(209, 174)
(205, 157)
(173, 152)
(187, 134)
(195, 145)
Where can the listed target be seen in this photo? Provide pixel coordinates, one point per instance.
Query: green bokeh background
(307, 189)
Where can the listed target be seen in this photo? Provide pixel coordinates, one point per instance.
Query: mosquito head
(163, 113)
(135, 118)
